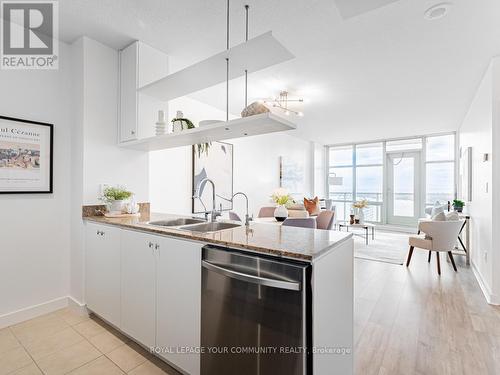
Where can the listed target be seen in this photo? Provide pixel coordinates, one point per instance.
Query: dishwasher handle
(273, 283)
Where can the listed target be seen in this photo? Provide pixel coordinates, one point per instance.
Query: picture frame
(26, 156)
(291, 175)
(215, 163)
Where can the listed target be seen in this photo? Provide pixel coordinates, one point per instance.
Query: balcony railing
(344, 200)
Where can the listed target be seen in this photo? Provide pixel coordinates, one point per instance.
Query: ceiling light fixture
(282, 101)
(437, 11)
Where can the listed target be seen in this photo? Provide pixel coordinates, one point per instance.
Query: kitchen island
(150, 282)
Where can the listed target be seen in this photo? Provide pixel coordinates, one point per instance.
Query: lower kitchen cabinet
(149, 286)
(179, 303)
(102, 267)
(138, 286)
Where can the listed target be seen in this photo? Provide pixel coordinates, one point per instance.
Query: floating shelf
(257, 53)
(238, 128)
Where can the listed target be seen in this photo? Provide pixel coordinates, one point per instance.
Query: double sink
(194, 225)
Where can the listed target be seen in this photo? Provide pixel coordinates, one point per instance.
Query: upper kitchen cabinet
(140, 65)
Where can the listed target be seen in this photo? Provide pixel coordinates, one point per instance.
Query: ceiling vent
(437, 11)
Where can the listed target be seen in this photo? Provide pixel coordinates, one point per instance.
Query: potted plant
(115, 198)
(181, 123)
(282, 199)
(359, 206)
(458, 205)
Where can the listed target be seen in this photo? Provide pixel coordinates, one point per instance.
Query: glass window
(373, 213)
(369, 154)
(342, 192)
(369, 183)
(342, 210)
(404, 145)
(440, 181)
(341, 156)
(440, 148)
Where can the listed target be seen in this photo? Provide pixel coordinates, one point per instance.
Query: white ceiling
(365, 74)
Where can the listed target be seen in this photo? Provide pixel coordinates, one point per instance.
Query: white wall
(319, 171)
(256, 165)
(104, 162)
(476, 131)
(35, 229)
(97, 158)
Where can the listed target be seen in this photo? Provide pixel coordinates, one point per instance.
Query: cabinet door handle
(157, 247)
(150, 245)
(132, 132)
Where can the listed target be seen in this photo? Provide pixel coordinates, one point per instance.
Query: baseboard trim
(31, 312)
(77, 306)
(491, 298)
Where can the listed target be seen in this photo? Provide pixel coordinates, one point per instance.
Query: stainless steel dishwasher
(255, 314)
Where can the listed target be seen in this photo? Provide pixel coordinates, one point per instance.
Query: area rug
(388, 247)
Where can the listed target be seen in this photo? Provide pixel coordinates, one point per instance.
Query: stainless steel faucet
(214, 213)
(247, 217)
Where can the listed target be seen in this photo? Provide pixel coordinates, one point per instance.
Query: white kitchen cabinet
(179, 301)
(102, 257)
(140, 65)
(138, 286)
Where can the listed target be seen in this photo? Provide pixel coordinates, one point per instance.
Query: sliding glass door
(403, 188)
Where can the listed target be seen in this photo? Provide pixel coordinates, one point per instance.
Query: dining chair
(266, 212)
(325, 220)
(298, 213)
(438, 236)
(302, 222)
(234, 216)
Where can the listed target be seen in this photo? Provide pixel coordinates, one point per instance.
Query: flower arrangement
(360, 204)
(282, 198)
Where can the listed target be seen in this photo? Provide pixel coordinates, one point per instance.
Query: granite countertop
(289, 242)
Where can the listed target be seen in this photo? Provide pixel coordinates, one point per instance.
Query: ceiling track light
(282, 101)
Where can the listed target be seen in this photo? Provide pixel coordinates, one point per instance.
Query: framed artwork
(215, 163)
(26, 156)
(292, 177)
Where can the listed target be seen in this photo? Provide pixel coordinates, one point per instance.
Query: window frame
(423, 162)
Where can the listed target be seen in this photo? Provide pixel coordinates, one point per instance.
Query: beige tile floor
(64, 342)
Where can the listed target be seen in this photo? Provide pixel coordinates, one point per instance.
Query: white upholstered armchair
(438, 236)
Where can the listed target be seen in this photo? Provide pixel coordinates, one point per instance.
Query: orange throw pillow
(312, 206)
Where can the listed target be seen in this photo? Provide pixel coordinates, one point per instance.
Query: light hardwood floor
(412, 321)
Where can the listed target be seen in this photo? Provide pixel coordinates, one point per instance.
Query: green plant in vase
(458, 205)
(115, 198)
(283, 200)
(181, 123)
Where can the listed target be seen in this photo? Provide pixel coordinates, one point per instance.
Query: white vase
(117, 207)
(361, 215)
(177, 126)
(280, 213)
